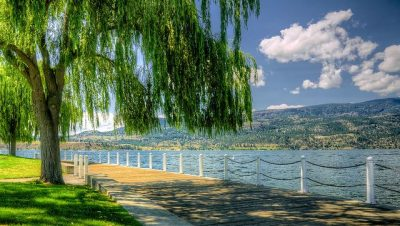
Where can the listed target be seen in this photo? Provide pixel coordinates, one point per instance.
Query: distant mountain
(370, 124)
(368, 108)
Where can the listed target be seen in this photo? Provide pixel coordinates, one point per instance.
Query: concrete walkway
(70, 179)
(143, 209)
(161, 198)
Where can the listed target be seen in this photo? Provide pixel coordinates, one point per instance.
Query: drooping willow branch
(92, 51)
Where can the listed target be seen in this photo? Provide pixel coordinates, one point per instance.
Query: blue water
(214, 167)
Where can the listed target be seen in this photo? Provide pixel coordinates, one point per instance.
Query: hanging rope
(218, 159)
(387, 168)
(336, 167)
(387, 189)
(247, 174)
(333, 185)
(244, 162)
(280, 164)
(213, 171)
(275, 178)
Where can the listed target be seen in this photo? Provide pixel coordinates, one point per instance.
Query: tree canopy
(188, 73)
(153, 56)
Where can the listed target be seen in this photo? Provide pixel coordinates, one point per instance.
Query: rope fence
(233, 168)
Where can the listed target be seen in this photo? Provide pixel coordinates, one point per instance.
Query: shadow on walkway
(215, 202)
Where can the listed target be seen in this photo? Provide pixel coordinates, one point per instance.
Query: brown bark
(47, 112)
(50, 152)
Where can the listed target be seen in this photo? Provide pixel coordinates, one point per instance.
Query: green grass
(40, 204)
(17, 167)
(44, 204)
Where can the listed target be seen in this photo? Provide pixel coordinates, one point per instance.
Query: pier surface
(162, 198)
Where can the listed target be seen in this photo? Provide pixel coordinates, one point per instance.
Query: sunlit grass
(40, 204)
(44, 204)
(17, 167)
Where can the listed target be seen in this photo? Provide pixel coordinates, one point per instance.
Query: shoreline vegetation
(100, 146)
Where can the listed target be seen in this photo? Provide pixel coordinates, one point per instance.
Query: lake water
(214, 167)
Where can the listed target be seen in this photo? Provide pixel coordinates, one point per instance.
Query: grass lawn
(17, 167)
(43, 204)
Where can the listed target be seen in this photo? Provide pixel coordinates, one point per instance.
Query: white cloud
(295, 91)
(391, 59)
(377, 82)
(322, 42)
(330, 77)
(353, 69)
(365, 48)
(381, 82)
(307, 84)
(106, 123)
(283, 106)
(257, 79)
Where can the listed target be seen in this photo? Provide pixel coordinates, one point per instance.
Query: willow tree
(16, 117)
(186, 70)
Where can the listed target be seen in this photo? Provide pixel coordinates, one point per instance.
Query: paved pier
(177, 199)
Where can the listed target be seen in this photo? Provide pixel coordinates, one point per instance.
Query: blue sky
(349, 51)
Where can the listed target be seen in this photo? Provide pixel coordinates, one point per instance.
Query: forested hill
(368, 108)
(371, 124)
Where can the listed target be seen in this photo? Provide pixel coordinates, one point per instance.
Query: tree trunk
(50, 153)
(13, 145)
(47, 112)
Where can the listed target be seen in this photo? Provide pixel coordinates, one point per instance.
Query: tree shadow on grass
(40, 204)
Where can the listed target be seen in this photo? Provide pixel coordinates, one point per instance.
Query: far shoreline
(83, 146)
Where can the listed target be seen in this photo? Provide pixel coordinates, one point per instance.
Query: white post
(80, 166)
(201, 168)
(258, 170)
(370, 181)
(127, 158)
(75, 165)
(117, 158)
(138, 160)
(164, 162)
(86, 166)
(303, 175)
(180, 163)
(100, 157)
(225, 167)
(108, 158)
(150, 161)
